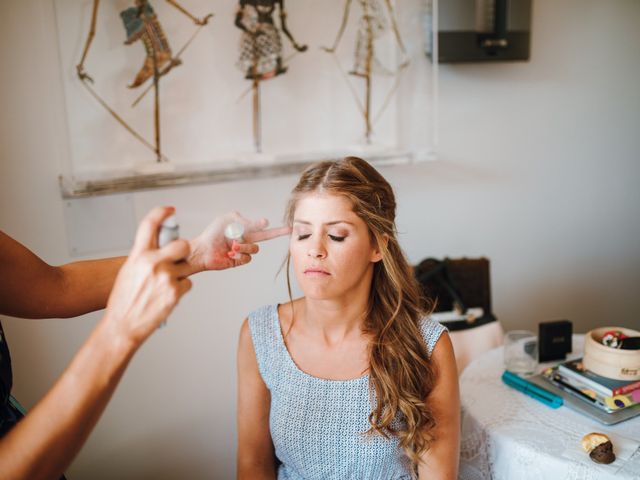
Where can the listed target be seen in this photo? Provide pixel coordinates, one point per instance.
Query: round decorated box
(608, 361)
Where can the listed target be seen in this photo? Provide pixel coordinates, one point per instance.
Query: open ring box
(608, 361)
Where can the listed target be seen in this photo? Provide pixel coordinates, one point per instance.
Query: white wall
(538, 171)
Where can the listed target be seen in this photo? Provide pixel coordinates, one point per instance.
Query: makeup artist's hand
(211, 250)
(149, 284)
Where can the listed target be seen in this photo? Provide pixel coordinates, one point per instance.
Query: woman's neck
(335, 319)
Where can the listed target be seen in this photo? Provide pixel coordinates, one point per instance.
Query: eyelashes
(335, 238)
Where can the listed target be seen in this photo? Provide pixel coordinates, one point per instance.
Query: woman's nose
(317, 250)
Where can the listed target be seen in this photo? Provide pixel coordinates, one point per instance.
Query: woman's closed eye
(335, 238)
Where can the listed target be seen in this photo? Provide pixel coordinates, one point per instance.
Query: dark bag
(458, 285)
(461, 287)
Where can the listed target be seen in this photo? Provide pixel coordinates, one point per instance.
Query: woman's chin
(318, 293)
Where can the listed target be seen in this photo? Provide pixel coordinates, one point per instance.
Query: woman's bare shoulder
(288, 311)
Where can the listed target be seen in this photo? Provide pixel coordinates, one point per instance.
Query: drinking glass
(521, 352)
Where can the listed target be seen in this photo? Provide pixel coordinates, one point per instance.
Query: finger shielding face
(262, 235)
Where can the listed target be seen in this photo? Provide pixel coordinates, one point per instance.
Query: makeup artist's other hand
(211, 250)
(149, 284)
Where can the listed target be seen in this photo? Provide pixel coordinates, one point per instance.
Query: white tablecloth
(508, 435)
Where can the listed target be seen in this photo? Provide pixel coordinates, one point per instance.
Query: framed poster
(160, 93)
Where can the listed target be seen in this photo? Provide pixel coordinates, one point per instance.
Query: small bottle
(234, 231)
(169, 231)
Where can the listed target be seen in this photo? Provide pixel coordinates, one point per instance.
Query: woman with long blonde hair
(353, 380)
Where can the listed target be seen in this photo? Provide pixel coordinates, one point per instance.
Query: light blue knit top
(317, 425)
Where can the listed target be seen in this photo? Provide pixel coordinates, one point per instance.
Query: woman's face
(330, 247)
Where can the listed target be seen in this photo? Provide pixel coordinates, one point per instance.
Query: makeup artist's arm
(147, 288)
(31, 288)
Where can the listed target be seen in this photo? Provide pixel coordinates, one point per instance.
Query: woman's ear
(378, 248)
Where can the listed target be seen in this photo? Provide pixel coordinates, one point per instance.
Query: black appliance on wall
(483, 30)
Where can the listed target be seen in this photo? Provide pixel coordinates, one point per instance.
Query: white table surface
(509, 435)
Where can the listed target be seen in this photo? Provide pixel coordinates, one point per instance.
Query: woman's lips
(316, 272)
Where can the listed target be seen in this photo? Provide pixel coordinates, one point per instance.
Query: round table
(508, 435)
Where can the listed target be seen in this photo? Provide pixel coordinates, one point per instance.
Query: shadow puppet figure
(141, 23)
(372, 25)
(261, 46)
(261, 49)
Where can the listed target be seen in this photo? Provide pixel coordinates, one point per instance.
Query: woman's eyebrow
(334, 222)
